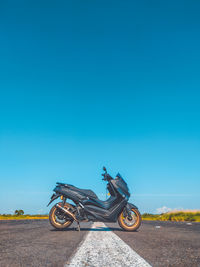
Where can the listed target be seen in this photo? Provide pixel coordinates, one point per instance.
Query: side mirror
(104, 168)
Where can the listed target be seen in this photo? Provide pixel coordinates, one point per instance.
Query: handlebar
(106, 176)
(103, 174)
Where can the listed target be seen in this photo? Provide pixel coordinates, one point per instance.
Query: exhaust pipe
(70, 214)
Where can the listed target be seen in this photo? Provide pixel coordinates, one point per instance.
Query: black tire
(123, 222)
(54, 220)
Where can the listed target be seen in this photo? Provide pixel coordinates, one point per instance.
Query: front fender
(131, 206)
(128, 208)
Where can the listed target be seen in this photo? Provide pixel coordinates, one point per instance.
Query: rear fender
(54, 197)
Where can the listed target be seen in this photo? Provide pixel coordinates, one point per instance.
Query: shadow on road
(99, 229)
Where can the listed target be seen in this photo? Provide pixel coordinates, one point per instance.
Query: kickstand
(78, 227)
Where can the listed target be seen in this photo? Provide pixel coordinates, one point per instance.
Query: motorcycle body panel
(89, 207)
(105, 215)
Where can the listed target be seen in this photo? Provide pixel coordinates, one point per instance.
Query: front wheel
(131, 223)
(58, 218)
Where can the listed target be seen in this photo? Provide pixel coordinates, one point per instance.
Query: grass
(23, 217)
(177, 216)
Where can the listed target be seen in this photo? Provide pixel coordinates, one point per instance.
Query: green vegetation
(20, 216)
(19, 212)
(179, 216)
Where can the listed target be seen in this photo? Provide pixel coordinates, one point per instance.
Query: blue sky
(90, 83)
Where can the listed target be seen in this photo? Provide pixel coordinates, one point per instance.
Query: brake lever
(103, 179)
(104, 176)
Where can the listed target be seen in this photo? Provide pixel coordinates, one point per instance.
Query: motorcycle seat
(86, 192)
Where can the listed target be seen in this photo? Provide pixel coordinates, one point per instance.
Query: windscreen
(122, 184)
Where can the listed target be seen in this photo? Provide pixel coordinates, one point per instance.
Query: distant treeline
(179, 216)
(23, 217)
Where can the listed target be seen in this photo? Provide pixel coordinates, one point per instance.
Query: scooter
(88, 207)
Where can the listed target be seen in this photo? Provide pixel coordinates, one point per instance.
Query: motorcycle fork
(127, 213)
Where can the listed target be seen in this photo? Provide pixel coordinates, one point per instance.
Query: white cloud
(164, 195)
(163, 209)
(11, 211)
(40, 211)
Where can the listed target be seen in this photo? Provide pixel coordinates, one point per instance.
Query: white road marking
(103, 248)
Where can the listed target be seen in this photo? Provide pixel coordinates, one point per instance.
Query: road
(36, 243)
(165, 243)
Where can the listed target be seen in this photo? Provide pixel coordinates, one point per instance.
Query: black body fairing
(92, 207)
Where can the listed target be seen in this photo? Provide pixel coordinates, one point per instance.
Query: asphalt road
(173, 244)
(36, 243)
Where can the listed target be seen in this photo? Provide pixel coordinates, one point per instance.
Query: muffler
(70, 214)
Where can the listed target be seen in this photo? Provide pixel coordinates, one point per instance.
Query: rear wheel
(58, 218)
(131, 223)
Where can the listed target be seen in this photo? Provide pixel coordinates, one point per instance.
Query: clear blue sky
(90, 83)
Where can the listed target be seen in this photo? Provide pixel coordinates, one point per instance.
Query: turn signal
(61, 197)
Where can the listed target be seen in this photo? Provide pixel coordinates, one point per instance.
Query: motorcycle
(88, 207)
